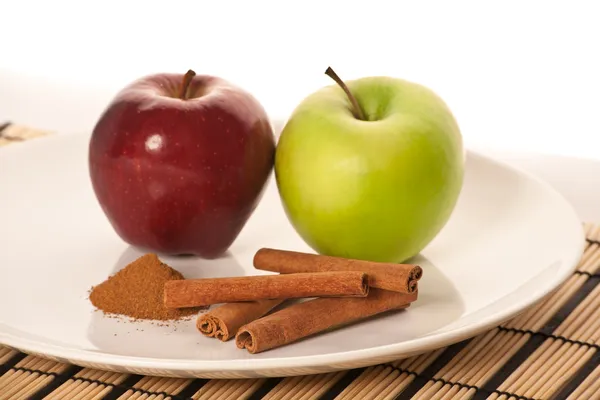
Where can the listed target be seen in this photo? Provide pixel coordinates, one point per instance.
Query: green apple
(370, 169)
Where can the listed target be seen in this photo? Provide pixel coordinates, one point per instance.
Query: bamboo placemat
(547, 352)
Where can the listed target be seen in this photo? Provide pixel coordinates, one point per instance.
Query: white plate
(511, 240)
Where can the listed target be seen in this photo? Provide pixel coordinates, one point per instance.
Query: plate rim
(320, 363)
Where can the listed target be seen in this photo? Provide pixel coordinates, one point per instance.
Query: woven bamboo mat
(547, 352)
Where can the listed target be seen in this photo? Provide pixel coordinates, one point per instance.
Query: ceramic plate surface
(511, 240)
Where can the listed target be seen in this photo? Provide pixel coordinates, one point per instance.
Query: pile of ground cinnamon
(137, 290)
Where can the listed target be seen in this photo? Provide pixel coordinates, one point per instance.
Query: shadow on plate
(437, 296)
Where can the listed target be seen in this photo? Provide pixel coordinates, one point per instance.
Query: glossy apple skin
(379, 189)
(180, 176)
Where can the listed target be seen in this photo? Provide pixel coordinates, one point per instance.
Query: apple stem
(358, 112)
(185, 84)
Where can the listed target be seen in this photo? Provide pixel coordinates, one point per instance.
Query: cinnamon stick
(402, 278)
(224, 321)
(204, 292)
(313, 316)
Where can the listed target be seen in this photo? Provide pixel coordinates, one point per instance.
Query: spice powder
(137, 291)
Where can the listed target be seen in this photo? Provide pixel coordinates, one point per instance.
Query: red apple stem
(358, 112)
(185, 84)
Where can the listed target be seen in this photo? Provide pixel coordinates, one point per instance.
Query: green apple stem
(185, 84)
(358, 112)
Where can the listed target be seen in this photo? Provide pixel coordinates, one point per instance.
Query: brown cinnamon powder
(137, 291)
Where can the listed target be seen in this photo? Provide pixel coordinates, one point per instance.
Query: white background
(517, 74)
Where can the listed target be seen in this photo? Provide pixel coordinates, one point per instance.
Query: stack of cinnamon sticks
(332, 291)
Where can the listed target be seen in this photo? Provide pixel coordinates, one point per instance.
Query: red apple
(178, 163)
